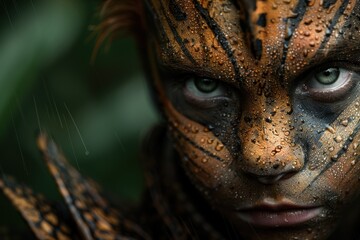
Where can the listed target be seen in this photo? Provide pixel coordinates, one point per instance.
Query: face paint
(262, 102)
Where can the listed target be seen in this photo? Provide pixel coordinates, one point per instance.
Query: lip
(278, 214)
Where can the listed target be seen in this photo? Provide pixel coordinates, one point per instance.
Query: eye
(328, 76)
(329, 85)
(205, 85)
(206, 92)
(203, 88)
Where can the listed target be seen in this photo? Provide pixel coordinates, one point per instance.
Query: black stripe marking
(328, 3)
(197, 146)
(220, 37)
(334, 21)
(338, 155)
(261, 20)
(258, 48)
(291, 25)
(177, 37)
(176, 11)
(196, 165)
(158, 24)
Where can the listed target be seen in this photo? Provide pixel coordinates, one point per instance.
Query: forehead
(239, 40)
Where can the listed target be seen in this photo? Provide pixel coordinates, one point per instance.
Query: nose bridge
(268, 139)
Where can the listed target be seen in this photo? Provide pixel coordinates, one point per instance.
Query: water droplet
(355, 145)
(308, 21)
(288, 32)
(338, 139)
(330, 129)
(219, 147)
(345, 122)
(305, 52)
(328, 32)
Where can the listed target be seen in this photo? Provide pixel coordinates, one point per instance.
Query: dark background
(97, 111)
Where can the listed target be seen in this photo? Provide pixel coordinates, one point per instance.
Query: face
(262, 102)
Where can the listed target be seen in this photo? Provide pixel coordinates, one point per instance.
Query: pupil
(206, 85)
(327, 72)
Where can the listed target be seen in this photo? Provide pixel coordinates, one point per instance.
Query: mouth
(279, 214)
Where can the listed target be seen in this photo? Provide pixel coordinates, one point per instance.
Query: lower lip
(278, 218)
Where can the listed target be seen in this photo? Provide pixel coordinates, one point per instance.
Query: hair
(119, 18)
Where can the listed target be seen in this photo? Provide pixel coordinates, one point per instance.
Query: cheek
(333, 159)
(203, 155)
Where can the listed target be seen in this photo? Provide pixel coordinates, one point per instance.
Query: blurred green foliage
(98, 113)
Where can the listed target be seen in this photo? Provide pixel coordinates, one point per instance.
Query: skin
(271, 130)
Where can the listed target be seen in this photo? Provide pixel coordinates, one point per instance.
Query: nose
(269, 154)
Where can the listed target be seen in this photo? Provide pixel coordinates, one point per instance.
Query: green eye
(328, 76)
(204, 88)
(330, 85)
(206, 85)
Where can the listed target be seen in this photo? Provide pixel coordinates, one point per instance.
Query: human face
(262, 100)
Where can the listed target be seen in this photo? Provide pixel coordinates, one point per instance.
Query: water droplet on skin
(305, 52)
(310, 3)
(331, 149)
(330, 129)
(345, 123)
(353, 162)
(219, 147)
(334, 158)
(288, 32)
(328, 32)
(204, 160)
(194, 130)
(338, 139)
(318, 29)
(308, 21)
(355, 145)
(312, 167)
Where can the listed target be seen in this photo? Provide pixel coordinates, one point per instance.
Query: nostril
(271, 179)
(276, 166)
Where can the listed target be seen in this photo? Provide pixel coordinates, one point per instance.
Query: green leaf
(33, 43)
